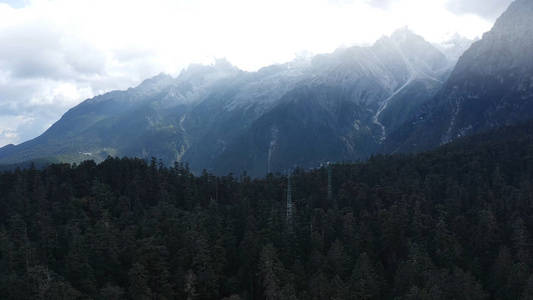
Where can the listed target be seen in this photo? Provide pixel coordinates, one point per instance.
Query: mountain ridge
(226, 120)
(489, 87)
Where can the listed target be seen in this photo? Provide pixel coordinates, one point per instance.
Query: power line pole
(329, 183)
(289, 203)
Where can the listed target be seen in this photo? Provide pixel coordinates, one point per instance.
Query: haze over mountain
(400, 94)
(491, 86)
(328, 107)
(55, 55)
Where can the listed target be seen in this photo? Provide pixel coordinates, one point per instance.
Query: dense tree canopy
(453, 223)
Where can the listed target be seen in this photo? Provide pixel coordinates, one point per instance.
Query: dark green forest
(452, 223)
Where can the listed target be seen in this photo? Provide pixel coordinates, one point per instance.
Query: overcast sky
(56, 53)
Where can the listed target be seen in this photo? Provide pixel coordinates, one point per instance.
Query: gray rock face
(333, 112)
(328, 107)
(491, 86)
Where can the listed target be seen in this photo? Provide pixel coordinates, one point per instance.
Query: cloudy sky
(56, 53)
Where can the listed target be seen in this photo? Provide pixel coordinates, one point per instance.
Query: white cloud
(14, 3)
(62, 94)
(56, 53)
(10, 127)
(488, 9)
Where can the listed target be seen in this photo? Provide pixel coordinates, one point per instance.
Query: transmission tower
(329, 183)
(289, 202)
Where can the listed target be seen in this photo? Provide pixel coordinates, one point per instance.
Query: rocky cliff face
(333, 112)
(491, 86)
(330, 107)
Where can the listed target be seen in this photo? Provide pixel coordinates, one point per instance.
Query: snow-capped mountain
(454, 47)
(491, 86)
(337, 106)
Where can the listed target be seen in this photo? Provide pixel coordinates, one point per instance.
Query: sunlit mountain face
(55, 55)
(400, 94)
(490, 86)
(338, 106)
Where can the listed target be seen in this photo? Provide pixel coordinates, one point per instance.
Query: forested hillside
(453, 223)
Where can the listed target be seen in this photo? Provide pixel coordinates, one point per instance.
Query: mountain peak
(405, 38)
(160, 77)
(507, 46)
(455, 46)
(219, 68)
(515, 21)
(513, 32)
(490, 86)
(222, 64)
(421, 56)
(156, 82)
(404, 34)
(218, 117)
